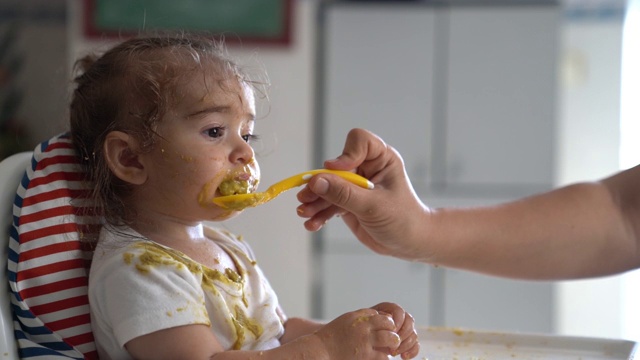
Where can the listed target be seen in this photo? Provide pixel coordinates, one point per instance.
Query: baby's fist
(405, 328)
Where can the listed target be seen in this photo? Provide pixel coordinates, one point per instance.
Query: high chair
(44, 310)
(11, 171)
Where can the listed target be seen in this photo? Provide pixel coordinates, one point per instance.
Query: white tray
(460, 344)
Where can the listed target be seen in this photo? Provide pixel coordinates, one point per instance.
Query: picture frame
(244, 21)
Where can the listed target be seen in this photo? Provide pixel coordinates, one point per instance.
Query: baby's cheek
(210, 187)
(206, 194)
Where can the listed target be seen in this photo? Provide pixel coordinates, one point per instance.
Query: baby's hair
(130, 88)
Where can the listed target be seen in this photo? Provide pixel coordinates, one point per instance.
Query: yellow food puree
(153, 255)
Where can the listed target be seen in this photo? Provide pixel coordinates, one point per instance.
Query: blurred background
(486, 100)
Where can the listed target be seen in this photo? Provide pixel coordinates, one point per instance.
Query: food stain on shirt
(155, 255)
(147, 255)
(230, 278)
(243, 324)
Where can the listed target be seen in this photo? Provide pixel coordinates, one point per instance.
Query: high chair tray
(461, 344)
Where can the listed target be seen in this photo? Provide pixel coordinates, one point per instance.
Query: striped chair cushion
(48, 264)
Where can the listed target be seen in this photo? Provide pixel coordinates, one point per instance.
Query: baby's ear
(121, 154)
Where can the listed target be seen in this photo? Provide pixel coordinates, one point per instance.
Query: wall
(284, 123)
(630, 148)
(40, 43)
(588, 149)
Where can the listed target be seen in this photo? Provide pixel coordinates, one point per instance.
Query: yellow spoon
(241, 201)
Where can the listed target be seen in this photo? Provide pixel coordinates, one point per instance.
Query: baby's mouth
(241, 180)
(243, 183)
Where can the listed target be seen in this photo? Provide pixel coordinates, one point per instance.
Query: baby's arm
(180, 342)
(358, 334)
(297, 327)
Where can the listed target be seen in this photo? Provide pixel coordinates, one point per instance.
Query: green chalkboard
(252, 20)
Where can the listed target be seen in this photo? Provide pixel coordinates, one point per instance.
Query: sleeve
(142, 293)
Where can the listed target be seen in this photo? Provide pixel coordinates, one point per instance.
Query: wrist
(424, 235)
(318, 344)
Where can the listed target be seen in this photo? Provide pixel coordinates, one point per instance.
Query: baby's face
(204, 141)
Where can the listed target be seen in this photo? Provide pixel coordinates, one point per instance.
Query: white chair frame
(12, 170)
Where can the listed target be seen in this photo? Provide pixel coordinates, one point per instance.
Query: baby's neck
(190, 239)
(167, 231)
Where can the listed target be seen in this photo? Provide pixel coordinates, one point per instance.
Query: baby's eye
(249, 137)
(215, 132)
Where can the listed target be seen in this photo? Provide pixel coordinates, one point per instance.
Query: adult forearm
(576, 231)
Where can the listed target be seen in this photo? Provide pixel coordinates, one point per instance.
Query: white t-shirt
(137, 287)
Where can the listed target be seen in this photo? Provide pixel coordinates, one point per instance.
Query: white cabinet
(498, 96)
(378, 75)
(357, 278)
(467, 95)
(484, 302)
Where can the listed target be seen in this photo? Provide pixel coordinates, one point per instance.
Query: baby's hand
(362, 334)
(405, 328)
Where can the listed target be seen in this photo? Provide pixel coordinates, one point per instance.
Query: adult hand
(387, 219)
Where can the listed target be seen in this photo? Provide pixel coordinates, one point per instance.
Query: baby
(161, 123)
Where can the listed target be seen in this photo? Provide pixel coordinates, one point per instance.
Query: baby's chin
(224, 214)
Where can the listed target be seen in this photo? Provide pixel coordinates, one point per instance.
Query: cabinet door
(355, 279)
(498, 123)
(378, 75)
(484, 302)
(466, 94)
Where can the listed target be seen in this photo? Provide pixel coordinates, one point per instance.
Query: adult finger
(361, 145)
(342, 193)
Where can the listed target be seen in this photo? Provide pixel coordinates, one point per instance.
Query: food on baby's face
(234, 187)
(243, 202)
(242, 181)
